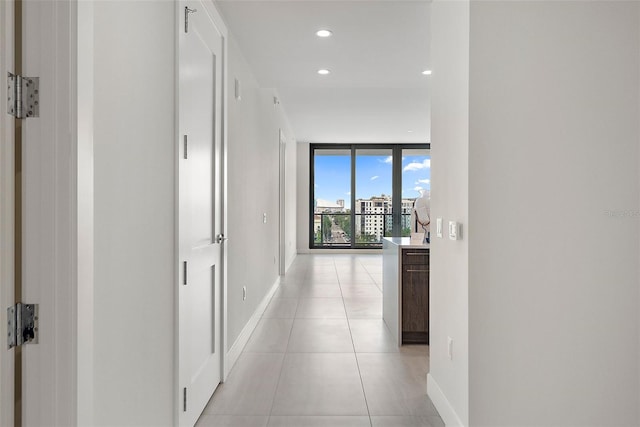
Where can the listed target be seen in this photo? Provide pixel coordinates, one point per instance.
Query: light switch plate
(439, 227)
(454, 230)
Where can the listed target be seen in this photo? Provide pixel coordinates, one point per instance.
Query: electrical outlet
(450, 347)
(244, 293)
(264, 218)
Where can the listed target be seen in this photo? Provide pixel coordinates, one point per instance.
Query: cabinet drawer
(415, 256)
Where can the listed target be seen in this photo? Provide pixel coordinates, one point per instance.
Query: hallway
(322, 356)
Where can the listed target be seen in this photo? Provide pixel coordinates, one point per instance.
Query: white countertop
(404, 241)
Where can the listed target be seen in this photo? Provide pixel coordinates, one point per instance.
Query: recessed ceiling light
(427, 72)
(324, 72)
(410, 131)
(324, 33)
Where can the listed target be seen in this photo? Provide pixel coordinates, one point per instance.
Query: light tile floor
(322, 356)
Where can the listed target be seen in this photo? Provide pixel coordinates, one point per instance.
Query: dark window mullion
(312, 197)
(396, 194)
(353, 197)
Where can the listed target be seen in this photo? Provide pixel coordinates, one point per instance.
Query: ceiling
(376, 91)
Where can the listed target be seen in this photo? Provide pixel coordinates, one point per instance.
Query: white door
(200, 210)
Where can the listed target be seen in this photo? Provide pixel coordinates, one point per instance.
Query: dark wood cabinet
(415, 296)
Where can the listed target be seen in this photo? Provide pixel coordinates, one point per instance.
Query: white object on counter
(417, 239)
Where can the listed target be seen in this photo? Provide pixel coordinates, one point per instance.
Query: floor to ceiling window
(361, 193)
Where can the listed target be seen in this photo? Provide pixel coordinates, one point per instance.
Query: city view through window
(354, 198)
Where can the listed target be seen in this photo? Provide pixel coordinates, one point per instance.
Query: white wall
(553, 284)
(253, 182)
(553, 193)
(134, 162)
(448, 379)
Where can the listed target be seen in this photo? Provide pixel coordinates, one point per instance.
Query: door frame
(282, 206)
(49, 213)
(7, 153)
(83, 22)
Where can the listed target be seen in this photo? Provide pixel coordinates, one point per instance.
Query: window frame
(396, 194)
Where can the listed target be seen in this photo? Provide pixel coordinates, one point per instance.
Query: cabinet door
(415, 303)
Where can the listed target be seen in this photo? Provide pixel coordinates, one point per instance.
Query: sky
(373, 176)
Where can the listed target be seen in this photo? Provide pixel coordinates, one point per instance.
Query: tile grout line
(284, 357)
(345, 282)
(355, 354)
(281, 367)
(372, 279)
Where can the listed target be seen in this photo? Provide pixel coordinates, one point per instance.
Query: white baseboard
(236, 349)
(290, 261)
(440, 401)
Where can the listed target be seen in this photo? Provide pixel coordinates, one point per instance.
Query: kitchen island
(405, 289)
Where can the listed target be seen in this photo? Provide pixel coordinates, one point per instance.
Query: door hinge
(185, 148)
(184, 272)
(23, 96)
(184, 399)
(22, 324)
(187, 11)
